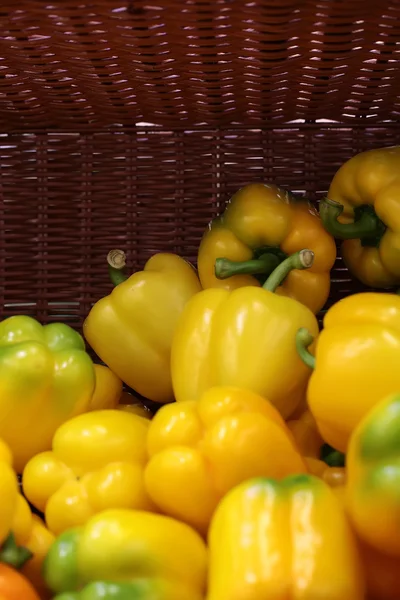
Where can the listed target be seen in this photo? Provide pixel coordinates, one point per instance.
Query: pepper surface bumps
(244, 338)
(131, 330)
(127, 554)
(200, 450)
(46, 378)
(365, 195)
(373, 472)
(97, 462)
(283, 540)
(356, 363)
(262, 225)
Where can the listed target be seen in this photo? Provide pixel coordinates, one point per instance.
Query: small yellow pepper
(200, 450)
(356, 362)
(108, 389)
(97, 462)
(131, 330)
(283, 540)
(244, 338)
(260, 227)
(364, 195)
(373, 485)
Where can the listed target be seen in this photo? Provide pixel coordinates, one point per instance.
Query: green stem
(116, 264)
(264, 265)
(299, 260)
(13, 555)
(367, 225)
(303, 340)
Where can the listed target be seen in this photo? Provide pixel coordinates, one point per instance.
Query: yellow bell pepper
(373, 483)
(200, 450)
(97, 462)
(356, 362)
(260, 227)
(127, 554)
(286, 540)
(38, 543)
(108, 389)
(46, 377)
(362, 209)
(244, 338)
(131, 330)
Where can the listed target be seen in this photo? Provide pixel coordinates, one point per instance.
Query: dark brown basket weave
(130, 125)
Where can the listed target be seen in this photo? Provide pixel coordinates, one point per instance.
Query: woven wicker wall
(235, 92)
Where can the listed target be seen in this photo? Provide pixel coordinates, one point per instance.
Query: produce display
(224, 444)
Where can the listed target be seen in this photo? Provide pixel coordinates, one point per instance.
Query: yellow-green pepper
(244, 338)
(260, 227)
(373, 477)
(46, 377)
(283, 540)
(131, 330)
(356, 362)
(363, 208)
(127, 554)
(200, 450)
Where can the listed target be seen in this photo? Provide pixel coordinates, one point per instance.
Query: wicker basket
(130, 124)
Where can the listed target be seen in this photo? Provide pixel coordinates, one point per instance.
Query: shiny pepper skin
(285, 540)
(364, 195)
(132, 329)
(136, 555)
(372, 492)
(200, 450)
(265, 220)
(97, 462)
(356, 363)
(43, 371)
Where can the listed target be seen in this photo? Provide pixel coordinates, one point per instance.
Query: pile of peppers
(230, 441)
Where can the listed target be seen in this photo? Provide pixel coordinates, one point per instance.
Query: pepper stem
(13, 555)
(299, 260)
(264, 265)
(366, 226)
(303, 340)
(116, 263)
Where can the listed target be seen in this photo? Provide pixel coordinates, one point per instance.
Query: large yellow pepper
(363, 209)
(200, 450)
(373, 483)
(131, 330)
(287, 540)
(262, 225)
(127, 555)
(356, 362)
(46, 377)
(97, 462)
(244, 338)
